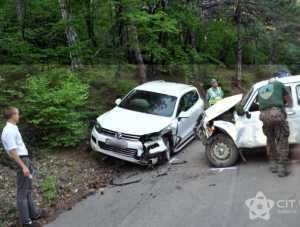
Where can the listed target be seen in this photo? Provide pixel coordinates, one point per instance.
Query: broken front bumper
(133, 151)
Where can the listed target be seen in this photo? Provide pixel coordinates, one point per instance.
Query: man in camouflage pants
(272, 99)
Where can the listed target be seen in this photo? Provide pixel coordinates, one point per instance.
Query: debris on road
(176, 161)
(124, 183)
(162, 174)
(132, 174)
(219, 170)
(178, 187)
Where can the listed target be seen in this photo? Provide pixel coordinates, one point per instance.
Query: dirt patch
(61, 180)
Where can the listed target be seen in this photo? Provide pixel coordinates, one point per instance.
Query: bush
(49, 189)
(52, 108)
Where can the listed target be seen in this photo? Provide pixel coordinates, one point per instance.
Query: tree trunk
(71, 34)
(119, 38)
(89, 20)
(239, 53)
(20, 9)
(137, 52)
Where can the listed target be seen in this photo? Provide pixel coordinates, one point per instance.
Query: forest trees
(250, 16)
(158, 36)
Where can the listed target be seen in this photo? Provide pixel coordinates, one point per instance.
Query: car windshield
(149, 102)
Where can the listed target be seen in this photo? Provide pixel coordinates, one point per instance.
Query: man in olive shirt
(272, 99)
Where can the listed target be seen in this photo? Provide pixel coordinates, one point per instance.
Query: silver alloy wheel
(221, 151)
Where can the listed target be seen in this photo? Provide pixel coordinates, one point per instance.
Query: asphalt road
(193, 194)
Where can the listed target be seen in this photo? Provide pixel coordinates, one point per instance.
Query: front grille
(129, 152)
(121, 135)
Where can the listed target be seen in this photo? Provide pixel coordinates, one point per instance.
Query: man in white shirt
(16, 149)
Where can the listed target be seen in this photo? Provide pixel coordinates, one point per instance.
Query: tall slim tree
(21, 9)
(135, 44)
(89, 20)
(72, 36)
(239, 50)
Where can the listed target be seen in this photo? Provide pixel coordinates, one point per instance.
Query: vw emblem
(118, 135)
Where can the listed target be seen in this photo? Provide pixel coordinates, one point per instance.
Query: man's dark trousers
(26, 207)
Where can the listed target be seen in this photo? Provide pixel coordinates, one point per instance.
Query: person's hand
(26, 171)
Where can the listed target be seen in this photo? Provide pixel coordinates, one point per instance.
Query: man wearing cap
(215, 93)
(273, 98)
(16, 149)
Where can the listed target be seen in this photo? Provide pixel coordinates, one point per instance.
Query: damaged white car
(153, 121)
(233, 124)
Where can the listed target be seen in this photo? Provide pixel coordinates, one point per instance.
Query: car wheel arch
(226, 128)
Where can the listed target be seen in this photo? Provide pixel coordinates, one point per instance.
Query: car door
(249, 126)
(193, 105)
(293, 114)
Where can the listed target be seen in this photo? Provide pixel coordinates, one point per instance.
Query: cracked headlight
(98, 127)
(150, 137)
(155, 136)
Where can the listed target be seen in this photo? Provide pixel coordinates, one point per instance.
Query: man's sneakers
(30, 224)
(42, 214)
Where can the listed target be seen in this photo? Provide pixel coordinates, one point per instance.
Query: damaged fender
(227, 127)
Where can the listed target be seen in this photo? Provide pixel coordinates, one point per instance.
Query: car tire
(165, 156)
(221, 151)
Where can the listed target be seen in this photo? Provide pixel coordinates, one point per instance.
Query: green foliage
(248, 79)
(53, 101)
(104, 83)
(49, 189)
(56, 106)
(170, 33)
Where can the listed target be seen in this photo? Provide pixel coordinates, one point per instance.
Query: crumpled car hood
(132, 122)
(222, 106)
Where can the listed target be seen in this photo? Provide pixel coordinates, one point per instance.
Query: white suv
(233, 123)
(153, 121)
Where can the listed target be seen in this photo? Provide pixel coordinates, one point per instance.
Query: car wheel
(165, 156)
(221, 151)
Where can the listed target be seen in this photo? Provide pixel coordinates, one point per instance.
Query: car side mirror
(118, 101)
(248, 114)
(183, 114)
